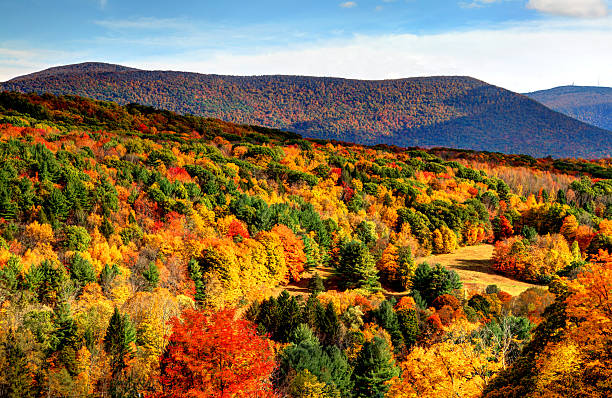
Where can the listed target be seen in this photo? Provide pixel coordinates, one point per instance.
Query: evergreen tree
(328, 364)
(289, 315)
(64, 340)
(107, 228)
(120, 334)
(81, 270)
(434, 282)
(387, 319)
(151, 275)
(195, 272)
(315, 285)
(408, 320)
(374, 367)
(16, 382)
(329, 325)
(356, 266)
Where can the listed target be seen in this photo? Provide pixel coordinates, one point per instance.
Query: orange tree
(216, 355)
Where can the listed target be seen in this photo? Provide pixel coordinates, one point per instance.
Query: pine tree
(356, 266)
(315, 285)
(64, 340)
(387, 319)
(81, 270)
(107, 228)
(289, 315)
(151, 275)
(329, 325)
(375, 366)
(120, 334)
(16, 382)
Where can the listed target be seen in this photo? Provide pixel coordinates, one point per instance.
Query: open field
(473, 264)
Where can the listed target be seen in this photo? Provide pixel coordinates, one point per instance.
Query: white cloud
(522, 57)
(348, 4)
(478, 3)
(571, 8)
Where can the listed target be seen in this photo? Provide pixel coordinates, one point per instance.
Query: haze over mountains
(591, 105)
(452, 111)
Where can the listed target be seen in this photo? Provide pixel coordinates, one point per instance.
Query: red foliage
(236, 228)
(348, 193)
(446, 300)
(216, 355)
(178, 173)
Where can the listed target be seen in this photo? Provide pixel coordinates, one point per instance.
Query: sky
(521, 45)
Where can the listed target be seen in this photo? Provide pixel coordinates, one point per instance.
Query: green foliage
(434, 282)
(77, 238)
(315, 285)
(374, 367)
(118, 340)
(329, 364)
(388, 320)
(151, 275)
(81, 270)
(356, 266)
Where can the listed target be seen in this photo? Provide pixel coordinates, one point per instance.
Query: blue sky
(522, 45)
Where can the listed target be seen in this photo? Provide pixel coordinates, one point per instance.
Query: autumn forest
(145, 253)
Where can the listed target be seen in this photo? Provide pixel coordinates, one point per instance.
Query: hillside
(458, 112)
(591, 105)
(148, 253)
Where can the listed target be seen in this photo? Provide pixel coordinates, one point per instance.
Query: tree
(328, 364)
(81, 270)
(315, 285)
(216, 355)
(374, 368)
(151, 275)
(387, 319)
(434, 282)
(118, 340)
(15, 379)
(356, 266)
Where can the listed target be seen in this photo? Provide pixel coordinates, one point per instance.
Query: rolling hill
(451, 111)
(591, 105)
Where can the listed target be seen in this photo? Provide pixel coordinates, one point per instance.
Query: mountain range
(591, 105)
(450, 111)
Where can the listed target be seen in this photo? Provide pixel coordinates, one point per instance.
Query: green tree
(15, 381)
(356, 266)
(375, 366)
(81, 270)
(329, 364)
(434, 282)
(120, 334)
(315, 285)
(151, 275)
(387, 319)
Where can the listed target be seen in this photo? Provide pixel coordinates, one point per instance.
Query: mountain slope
(459, 112)
(591, 105)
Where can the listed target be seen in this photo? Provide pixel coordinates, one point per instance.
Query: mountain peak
(452, 111)
(84, 67)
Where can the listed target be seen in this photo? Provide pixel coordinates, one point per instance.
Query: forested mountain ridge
(142, 253)
(591, 105)
(452, 111)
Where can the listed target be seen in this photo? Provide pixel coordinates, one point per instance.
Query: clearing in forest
(474, 266)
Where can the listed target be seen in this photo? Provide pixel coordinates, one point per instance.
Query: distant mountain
(87, 67)
(592, 105)
(451, 111)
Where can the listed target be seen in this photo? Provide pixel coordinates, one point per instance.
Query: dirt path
(473, 264)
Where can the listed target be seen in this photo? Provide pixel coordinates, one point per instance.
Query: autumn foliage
(216, 355)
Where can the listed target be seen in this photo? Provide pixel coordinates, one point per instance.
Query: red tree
(216, 355)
